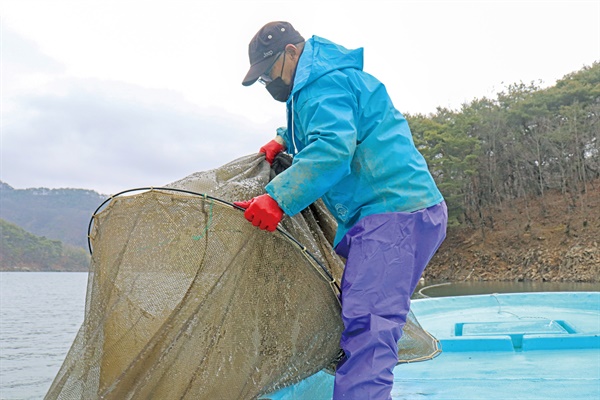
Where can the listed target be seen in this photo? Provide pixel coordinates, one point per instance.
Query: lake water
(433, 289)
(40, 314)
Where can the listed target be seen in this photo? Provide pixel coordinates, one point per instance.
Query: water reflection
(443, 289)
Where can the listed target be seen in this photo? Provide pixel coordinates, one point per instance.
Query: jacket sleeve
(326, 126)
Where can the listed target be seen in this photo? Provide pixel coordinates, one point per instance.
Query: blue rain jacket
(351, 147)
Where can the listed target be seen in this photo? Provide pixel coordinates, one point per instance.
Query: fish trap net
(187, 300)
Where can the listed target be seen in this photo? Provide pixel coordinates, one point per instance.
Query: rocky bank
(554, 239)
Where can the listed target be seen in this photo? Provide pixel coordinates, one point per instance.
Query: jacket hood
(321, 56)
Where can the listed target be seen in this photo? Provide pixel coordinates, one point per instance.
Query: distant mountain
(22, 251)
(57, 214)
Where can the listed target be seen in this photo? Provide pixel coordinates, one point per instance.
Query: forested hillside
(59, 214)
(511, 167)
(520, 174)
(22, 251)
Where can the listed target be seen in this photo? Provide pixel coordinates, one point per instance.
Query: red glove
(262, 211)
(271, 149)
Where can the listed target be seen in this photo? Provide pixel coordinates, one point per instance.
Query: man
(354, 150)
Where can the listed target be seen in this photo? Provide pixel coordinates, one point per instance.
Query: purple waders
(386, 255)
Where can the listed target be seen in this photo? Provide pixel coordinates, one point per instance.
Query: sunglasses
(265, 78)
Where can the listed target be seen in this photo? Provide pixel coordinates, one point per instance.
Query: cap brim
(256, 70)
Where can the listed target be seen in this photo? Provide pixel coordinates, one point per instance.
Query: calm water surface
(442, 289)
(40, 314)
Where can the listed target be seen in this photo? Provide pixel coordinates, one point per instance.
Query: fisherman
(353, 149)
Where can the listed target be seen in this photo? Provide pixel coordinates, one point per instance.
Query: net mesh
(187, 300)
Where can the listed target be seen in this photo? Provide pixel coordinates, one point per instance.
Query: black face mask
(279, 89)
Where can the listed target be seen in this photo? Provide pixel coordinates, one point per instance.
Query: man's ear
(292, 51)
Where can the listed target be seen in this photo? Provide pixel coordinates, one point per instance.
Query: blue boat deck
(501, 346)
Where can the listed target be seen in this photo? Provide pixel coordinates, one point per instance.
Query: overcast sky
(113, 95)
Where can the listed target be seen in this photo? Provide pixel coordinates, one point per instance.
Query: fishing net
(187, 300)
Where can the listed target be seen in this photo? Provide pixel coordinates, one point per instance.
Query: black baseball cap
(270, 40)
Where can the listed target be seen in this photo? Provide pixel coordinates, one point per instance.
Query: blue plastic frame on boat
(540, 345)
